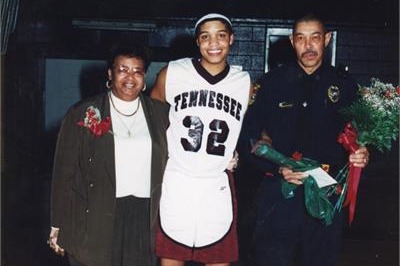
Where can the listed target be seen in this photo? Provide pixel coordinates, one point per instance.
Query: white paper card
(322, 178)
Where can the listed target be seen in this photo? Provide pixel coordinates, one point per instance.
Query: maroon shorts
(225, 250)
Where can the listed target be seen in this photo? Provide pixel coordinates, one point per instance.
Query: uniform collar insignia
(285, 105)
(333, 93)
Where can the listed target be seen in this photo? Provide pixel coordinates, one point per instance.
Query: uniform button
(90, 159)
(87, 210)
(91, 185)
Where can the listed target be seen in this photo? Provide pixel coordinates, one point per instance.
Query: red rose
(101, 128)
(297, 156)
(388, 94)
(339, 189)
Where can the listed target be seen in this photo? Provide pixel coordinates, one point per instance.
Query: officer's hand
(360, 157)
(292, 177)
(52, 242)
(265, 139)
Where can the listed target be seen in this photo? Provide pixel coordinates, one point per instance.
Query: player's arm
(251, 90)
(158, 90)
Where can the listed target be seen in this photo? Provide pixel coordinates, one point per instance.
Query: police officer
(297, 109)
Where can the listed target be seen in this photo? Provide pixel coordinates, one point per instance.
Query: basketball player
(208, 99)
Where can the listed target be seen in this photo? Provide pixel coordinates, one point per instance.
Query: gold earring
(108, 84)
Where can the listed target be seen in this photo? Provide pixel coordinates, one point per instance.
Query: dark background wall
(367, 43)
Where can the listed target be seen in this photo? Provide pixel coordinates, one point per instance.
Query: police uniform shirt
(300, 112)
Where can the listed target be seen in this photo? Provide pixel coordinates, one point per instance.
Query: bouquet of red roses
(374, 121)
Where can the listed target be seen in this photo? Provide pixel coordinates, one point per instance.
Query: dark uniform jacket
(299, 112)
(83, 186)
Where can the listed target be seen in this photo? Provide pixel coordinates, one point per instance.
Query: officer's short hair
(308, 17)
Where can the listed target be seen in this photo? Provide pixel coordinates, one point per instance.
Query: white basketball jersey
(196, 202)
(205, 118)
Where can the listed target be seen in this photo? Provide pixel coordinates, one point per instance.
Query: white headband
(212, 16)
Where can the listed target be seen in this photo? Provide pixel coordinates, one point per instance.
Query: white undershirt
(132, 152)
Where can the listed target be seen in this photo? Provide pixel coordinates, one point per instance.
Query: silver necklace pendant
(125, 130)
(124, 134)
(129, 132)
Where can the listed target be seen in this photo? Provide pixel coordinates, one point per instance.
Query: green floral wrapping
(315, 198)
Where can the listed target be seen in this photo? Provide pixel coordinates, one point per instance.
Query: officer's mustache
(309, 52)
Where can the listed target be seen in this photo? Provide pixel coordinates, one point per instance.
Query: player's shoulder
(181, 61)
(236, 70)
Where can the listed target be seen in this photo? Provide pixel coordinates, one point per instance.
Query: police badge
(333, 93)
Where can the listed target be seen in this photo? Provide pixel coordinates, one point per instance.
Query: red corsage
(94, 123)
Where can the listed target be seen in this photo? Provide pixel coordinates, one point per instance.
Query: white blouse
(132, 149)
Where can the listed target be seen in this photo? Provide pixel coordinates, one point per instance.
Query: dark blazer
(83, 185)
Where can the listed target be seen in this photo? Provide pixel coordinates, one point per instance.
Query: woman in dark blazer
(108, 167)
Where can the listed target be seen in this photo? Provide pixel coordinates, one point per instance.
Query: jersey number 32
(215, 140)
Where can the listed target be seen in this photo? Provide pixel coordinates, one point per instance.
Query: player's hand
(233, 163)
(52, 241)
